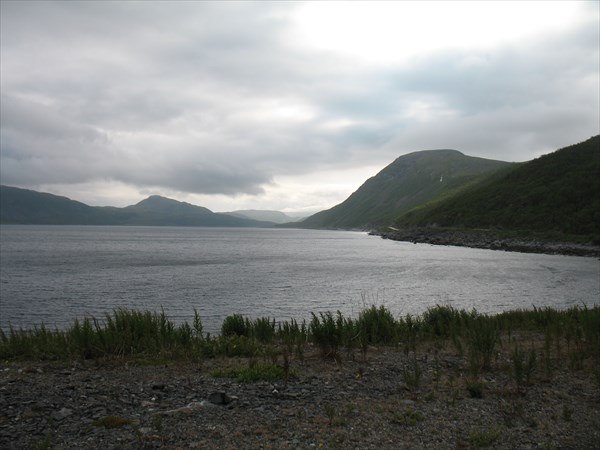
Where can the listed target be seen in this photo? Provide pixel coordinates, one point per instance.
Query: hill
(264, 215)
(31, 207)
(24, 206)
(409, 181)
(557, 193)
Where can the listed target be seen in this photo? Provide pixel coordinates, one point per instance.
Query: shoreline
(448, 379)
(484, 239)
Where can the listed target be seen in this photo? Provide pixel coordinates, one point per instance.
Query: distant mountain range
(262, 215)
(557, 193)
(30, 207)
(409, 181)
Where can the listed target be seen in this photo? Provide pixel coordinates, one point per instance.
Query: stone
(219, 398)
(62, 414)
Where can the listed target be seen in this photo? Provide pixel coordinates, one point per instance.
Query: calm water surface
(55, 274)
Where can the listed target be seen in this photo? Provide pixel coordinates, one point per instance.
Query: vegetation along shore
(444, 379)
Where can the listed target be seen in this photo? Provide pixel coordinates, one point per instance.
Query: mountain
(30, 207)
(409, 181)
(264, 215)
(25, 206)
(558, 192)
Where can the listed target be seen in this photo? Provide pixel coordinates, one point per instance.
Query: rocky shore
(390, 400)
(487, 240)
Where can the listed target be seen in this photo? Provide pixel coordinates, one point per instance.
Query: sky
(286, 106)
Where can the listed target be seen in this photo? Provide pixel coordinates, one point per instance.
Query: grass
(412, 375)
(486, 437)
(407, 417)
(571, 338)
(514, 350)
(523, 365)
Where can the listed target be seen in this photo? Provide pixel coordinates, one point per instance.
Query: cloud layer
(242, 101)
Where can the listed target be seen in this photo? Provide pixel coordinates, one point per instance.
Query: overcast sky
(282, 105)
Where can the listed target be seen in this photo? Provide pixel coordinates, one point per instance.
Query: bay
(54, 274)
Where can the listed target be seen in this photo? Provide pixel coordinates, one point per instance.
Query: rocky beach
(390, 399)
(487, 240)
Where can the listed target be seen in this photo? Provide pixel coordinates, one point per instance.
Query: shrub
(482, 338)
(377, 325)
(326, 332)
(236, 325)
(441, 321)
(263, 329)
(523, 365)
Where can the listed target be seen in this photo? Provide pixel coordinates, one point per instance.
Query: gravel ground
(351, 403)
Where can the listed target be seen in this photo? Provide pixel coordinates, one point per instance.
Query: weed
(523, 365)
(157, 423)
(350, 409)
(513, 411)
(46, 443)
(576, 358)
(412, 375)
(408, 417)
(475, 389)
(327, 332)
(330, 412)
(482, 338)
(484, 438)
(442, 321)
(376, 326)
(453, 391)
(263, 329)
(197, 326)
(236, 325)
(567, 413)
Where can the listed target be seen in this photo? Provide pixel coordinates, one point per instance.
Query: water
(56, 274)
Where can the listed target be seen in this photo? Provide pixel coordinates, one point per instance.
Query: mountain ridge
(410, 180)
(277, 217)
(558, 192)
(25, 206)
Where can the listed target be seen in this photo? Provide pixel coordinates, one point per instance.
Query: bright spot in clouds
(282, 105)
(391, 32)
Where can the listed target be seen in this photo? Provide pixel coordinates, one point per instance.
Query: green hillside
(558, 193)
(409, 181)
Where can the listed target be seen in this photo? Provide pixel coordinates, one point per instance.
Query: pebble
(320, 408)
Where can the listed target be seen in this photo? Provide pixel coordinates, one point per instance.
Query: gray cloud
(216, 98)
